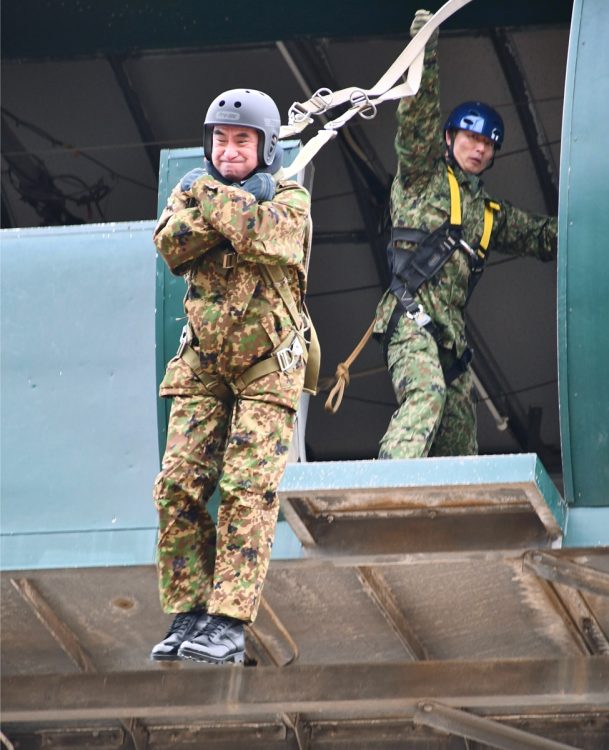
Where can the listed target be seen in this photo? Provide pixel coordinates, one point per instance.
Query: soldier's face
(473, 152)
(234, 151)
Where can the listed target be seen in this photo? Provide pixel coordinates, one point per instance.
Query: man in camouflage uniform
(232, 418)
(427, 359)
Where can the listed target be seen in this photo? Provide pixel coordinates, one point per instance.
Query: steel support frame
(343, 690)
(136, 109)
(69, 643)
(375, 585)
(563, 581)
(473, 727)
(529, 120)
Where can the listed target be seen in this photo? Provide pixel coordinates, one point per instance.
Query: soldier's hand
(420, 19)
(190, 177)
(261, 185)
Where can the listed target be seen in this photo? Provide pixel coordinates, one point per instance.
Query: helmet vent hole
(237, 105)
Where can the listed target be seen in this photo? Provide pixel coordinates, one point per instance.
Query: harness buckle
(360, 99)
(289, 356)
(420, 317)
(229, 260)
(185, 339)
(468, 248)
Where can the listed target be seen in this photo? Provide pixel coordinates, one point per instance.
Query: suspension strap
(363, 101)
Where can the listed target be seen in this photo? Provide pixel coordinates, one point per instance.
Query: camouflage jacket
(236, 317)
(420, 198)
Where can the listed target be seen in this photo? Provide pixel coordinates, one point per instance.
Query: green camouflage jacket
(236, 317)
(420, 199)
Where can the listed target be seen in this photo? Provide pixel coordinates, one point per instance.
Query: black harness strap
(413, 268)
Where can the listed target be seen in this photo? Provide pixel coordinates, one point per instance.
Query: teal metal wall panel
(587, 527)
(78, 430)
(583, 265)
(78, 437)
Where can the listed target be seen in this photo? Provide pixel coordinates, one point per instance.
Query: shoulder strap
(275, 275)
(455, 198)
(490, 207)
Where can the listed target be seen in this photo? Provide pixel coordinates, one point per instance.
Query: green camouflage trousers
(431, 419)
(243, 451)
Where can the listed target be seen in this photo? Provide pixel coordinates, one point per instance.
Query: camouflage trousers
(432, 419)
(242, 449)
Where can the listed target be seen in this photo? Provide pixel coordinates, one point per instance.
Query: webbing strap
(363, 101)
(265, 366)
(275, 275)
(217, 388)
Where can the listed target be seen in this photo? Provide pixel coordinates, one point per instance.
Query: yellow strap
(455, 199)
(455, 212)
(489, 216)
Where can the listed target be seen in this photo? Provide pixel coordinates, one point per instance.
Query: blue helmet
(478, 118)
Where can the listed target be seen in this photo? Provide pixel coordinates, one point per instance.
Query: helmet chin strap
(273, 167)
(450, 148)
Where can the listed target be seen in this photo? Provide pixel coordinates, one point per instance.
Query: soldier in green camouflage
(235, 381)
(424, 338)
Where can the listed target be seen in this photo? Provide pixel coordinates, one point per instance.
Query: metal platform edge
(431, 472)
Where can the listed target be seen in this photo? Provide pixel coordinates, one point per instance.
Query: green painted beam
(34, 29)
(583, 265)
(587, 527)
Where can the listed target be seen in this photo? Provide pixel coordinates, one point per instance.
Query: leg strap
(284, 358)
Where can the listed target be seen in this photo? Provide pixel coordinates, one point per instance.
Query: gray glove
(420, 19)
(187, 181)
(261, 185)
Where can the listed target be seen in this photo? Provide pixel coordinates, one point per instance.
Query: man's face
(234, 151)
(473, 152)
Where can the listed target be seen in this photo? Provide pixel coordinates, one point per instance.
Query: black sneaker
(219, 641)
(183, 626)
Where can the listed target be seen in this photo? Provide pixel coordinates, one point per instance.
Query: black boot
(184, 625)
(220, 640)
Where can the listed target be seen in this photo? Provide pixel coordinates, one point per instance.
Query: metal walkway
(400, 627)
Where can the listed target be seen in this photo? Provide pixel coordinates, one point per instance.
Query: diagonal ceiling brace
(559, 570)
(470, 726)
(135, 730)
(301, 729)
(134, 104)
(525, 107)
(375, 585)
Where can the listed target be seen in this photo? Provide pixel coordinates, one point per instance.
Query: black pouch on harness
(415, 267)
